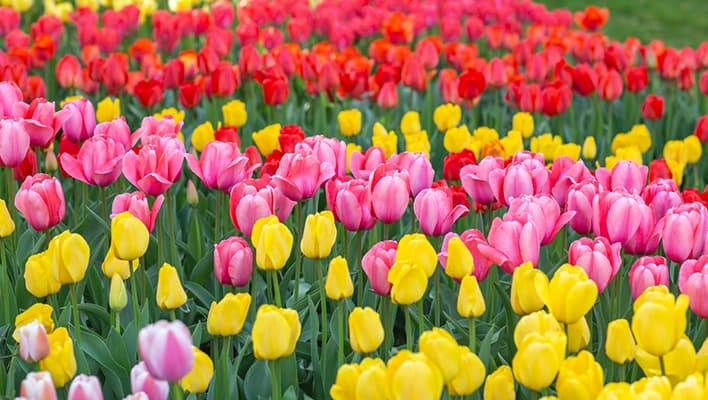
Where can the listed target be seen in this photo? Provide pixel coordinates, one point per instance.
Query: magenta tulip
(377, 262)
(85, 387)
(10, 94)
(685, 232)
(41, 200)
(528, 176)
(117, 130)
(300, 174)
(327, 150)
(221, 165)
(348, 199)
(646, 272)
(543, 211)
(156, 166)
(419, 168)
(693, 282)
(600, 259)
(662, 195)
(475, 179)
(362, 164)
(14, 142)
(564, 173)
(512, 243)
(435, 210)
(40, 119)
(142, 381)
(616, 215)
(389, 192)
(137, 204)
(165, 127)
(80, 121)
(624, 175)
(233, 261)
(646, 239)
(473, 240)
(166, 350)
(99, 161)
(579, 200)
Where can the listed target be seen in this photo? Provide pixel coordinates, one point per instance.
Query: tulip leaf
(118, 349)
(205, 266)
(96, 348)
(201, 294)
(257, 384)
(96, 311)
(485, 348)
(101, 222)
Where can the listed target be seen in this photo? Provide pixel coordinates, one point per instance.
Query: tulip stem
(276, 288)
(5, 284)
(177, 391)
(217, 218)
(172, 233)
(421, 318)
(104, 206)
(134, 294)
(473, 335)
(361, 277)
(436, 304)
(116, 315)
(226, 350)
(661, 364)
(298, 261)
(621, 373)
(275, 379)
(409, 330)
(323, 305)
(10, 192)
(75, 309)
(387, 326)
(340, 332)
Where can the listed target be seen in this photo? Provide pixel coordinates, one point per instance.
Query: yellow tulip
(676, 169)
(51, 164)
(485, 135)
(365, 330)
(267, 139)
(7, 225)
(659, 320)
(571, 150)
(418, 143)
(107, 110)
(580, 377)
(234, 113)
(226, 318)
(470, 301)
(441, 348)
(38, 311)
(275, 332)
(694, 149)
(60, 362)
(170, 293)
(447, 116)
(129, 237)
(118, 297)
(539, 322)
(273, 242)
(410, 123)
(459, 261)
(470, 375)
(547, 144)
(675, 150)
(571, 294)
(529, 289)
(372, 380)
(640, 137)
(617, 391)
(349, 122)
(620, 346)
(20, 5)
(409, 282)
(388, 141)
(319, 235)
(197, 380)
(678, 363)
(578, 335)
(202, 135)
(653, 387)
(512, 143)
(523, 122)
(589, 148)
(413, 376)
(70, 257)
(39, 275)
(351, 148)
(538, 359)
(338, 284)
(500, 385)
(702, 357)
(114, 266)
(415, 247)
(691, 388)
(631, 153)
(345, 383)
(177, 115)
(457, 139)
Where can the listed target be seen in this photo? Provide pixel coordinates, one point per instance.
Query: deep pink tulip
(377, 262)
(685, 232)
(693, 282)
(646, 272)
(579, 199)
(151, 126)
(646, 239)
(80, 121)
(166, 350)
(117, 129)
(142, 381)
(85, 387)
(38, 385)
(14, 142)
(99, 161)
(616, 215)
(327, 150)
(624, 175)
(221, 165)
(512, 243)
(543, 211)
(10, 94)
(475, 179)
(420, 170)
(472, 238)
(348, 199)
(41, 200)
(564, 173)
(435, 210)
(362, 164)
(600, 259)
(528, 176)
(233, 261)
(300, 174)
(137, 204)
(156, 166)
(662, 195)
(253, 199)
(389, 192)
(34, 342)
(40, 119)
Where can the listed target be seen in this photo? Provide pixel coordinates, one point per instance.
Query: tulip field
(349, 199)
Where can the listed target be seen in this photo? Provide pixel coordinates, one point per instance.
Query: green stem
(340, 341)
(104, 205)
(361, 276)
(323, 113)
(609, 119)
(160, 252)
(254, 292)
(84, 199)
(436, 309)
(10, 192)
(323, 306)
(176, 391)
(276, 288)
(75, 310)
(621, 372)
(225, 356)
(662, 366)
(298, 262)
(117, 320)
(198, 229)
(5, 284)
(387, 325)
(217, 218)
(134, 294)
(421, 318)
(172, 233)
(173, 315)
(409, 328)
(472, 335)
(275, 379)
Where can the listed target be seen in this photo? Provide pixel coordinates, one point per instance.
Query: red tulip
(413, 74)
(653, 107)
(701, 129)
(610, 87)
(68, 71)
(40, 199)
(637, 78)
(658, 169)
(224, 80)
(592, 18)
(454, 162)
(555, 99)
(387, 96)
(471, 84)
(149, 92)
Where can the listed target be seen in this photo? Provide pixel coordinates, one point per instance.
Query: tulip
(34, 342)
(662, 195)
(349, 122)
(384, 139)
(7, 225)
(691, 388)
(470, 377)
(389, 191)
(142, 382)
(221, 165)
(363, 164)
(420, 170)
(97, 163)
(346, 382)
(580, 377)
(197, 380)
(255, 199)
(543, 211)
(118, 298)
(470, 301)
(529, 289)
(14, 143)
(377, 262)
(565, 172)
(166, 350)
(578, 335)
(129, 237)
(319, 235)
(40, 312)
(338, 284)
(677, 364)
(435, 211)
(538, 359)
(539, 322)
(692, 281)
(459, 259)
(60, 362)
(107, 109)
(579, 199)
(685, 232)
(365, 330)
(156, 166)
(170, 293)
(647, 272)
(275, 332)
(38, 385)
(500, 384)
(473, 239)
(85, 387)
(659, 320)
(653, 107)
(70, 255)
(571, 294)
(137, 204)
(273, 242)
(39, 275)
(620, 346)
(233, 261)
(40, 120)
(589, 148)
(416, 248)
(600, 259)
(701, 129)
(511, 243)
(348, 199)
(409, 281)
(80, 122)
(528, 176)
(267, 139)
(413, 375)
(365, 380)
(234, 113)
(442, 349)
(226, 318)
(623, 175)
(618, 215)
(300, 174)
(114, 266)
(447, 116)
(41, 200)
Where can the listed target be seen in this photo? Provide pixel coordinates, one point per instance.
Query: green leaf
(201, 294)
(96, 348)
(204, 267)
(257, 384)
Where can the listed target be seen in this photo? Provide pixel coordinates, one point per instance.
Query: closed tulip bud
(338, 284)
(580, 377)
(107, 110)
(447, 116)
(439, 345)
(349, 122)
(70, 254)
(470, 376)
(40, 312)
(372, 380)
(500, 385)
(226, 317)
(192, 194)
(409, 281)
(578, 335)
(410, 123)
(550, 348)
(691, 388)
(273, 242)
(620, 346)
(413, 376)
(267, 139)
(233, 261)
(319, 235)
(346, 382)
(571, 294)
(539, 322)
(460, 262)
(114, 266)
(38, 385)
(415, 247)
(529, 289)
(523, 122)
(85, 387)
(234, 113)
(166, 349)
(34, 342)
(589, 148)
(118, 297)
(142, 382)
(388, 141)
(659, 320)
(202, 135)
(170, 293)
(51, 164)
(129, 236)
(694, 149)
(275, 332)
(60, 362)
(365, 330)
(7, 225)
(197, 380)
(470, 301)
(39, 275)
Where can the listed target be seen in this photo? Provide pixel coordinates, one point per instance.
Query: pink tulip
(624, 175)
(150, 126)
(646, 239)
(142, 381)
(685, 231)
(512, 243)
(435, 210)
(156, 166)
(362, 164)
(98, 163)
(166, 350)
(14, 142)
(600, 259)
(221, 165)
(85, 387)
(38, 386)
(253, 199)
(327, 150)
(693, 282)
(419, 168)
(473, 239)
(80, 121)
(41, 200)
(564, 173)
(139, 396)
(117, 129)
(543, 211)
(233, 261)
(616, 215)
(348, 199)
(475, 179)
(300, 174)
(40, 120)
(662, 195)
(377, 262)
(646, 272)
(34, 342)
(579, 199)
(389, 191)
(137, 204)
(10, 94)
(527, 176)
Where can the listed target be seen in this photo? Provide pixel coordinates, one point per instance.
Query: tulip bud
(409, 282)
(202, 135)
(470, 376)
(338, 284)
(319, 235)
(197, 380)
(529, 289)
(192, 195)
(129, 237)
(571, 294)
(166, 350)
(523, 122)
(349, 122)
(460, 262)
(578, 335)
(275, 332)
(410, 123)
(580, 377)
(38, 385)
(51, 164)
(226, 317)
(620, 346)
(549, 347)
(447, 116)
(500, 384)
(70, 254)
(170, 293)
(440, 347)
(39, 276)
(414, 375)
(539, 322)
(85, 387)
(34, 342)
(470, 301)
(118, 297)
(60, 362)
(234, 113)
(7, 225)
(40, 312)
(659, 320)
(589, 148)
(365, 330)
(273, 242)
